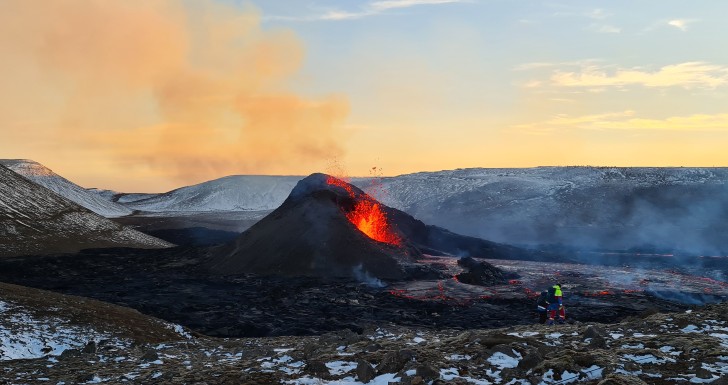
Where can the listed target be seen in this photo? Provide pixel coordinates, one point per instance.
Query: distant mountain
(232, 193)
(584, 207)
(43, 176)
(36, 220)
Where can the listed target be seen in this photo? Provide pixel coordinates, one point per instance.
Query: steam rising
(192, 88)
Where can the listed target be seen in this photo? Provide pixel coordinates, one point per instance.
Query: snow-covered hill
(35, 220)
(43, 176)
(596, 207)
(590, 207)
(232, 193)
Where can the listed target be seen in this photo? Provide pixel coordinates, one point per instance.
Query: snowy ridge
(590, 207)
(232, 193)
(596, 207)
(35, 220)
(43, 176)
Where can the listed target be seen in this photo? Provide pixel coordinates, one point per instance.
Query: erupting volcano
(327, 227)
(368, 215)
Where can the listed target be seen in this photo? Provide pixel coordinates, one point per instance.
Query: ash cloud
(194, 89)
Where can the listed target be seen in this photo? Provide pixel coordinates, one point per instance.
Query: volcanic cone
(327, 227)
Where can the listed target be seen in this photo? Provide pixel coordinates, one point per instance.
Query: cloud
(607, 29)
(627, 121)
(565, 121)
(598, 14)
(680, 24)
(369, 9)
(392, 4)
(687, 75)
(691, 123)
(192, 90)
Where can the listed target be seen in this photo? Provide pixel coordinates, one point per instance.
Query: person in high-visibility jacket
(556, 304)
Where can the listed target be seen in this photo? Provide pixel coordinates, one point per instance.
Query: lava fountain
(368, 215)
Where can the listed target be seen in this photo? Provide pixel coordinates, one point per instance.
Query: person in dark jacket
(542, 307)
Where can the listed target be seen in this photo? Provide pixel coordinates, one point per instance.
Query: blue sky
(603, 76)
(173, 93)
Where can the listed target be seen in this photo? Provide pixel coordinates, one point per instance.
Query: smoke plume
(194, 89)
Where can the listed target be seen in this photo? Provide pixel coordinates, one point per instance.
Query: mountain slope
(232, 193)
(43, 176)
(35, 220)
(617, 208)
(589, 207)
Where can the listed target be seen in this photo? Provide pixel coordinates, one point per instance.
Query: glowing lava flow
(368, 215)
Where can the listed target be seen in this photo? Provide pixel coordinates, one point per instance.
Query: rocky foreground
(685, 347)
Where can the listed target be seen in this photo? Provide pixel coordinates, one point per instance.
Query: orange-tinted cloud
(194, 89)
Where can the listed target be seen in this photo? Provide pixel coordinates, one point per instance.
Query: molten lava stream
(371, 220)
(368, 215)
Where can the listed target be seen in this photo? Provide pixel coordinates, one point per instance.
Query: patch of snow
(340, 367)
(524, 334)
(459, 357)
(593, 372)
(450, 374)
(502, 361)
(636, 346)
(616, 336)
(179, 329)
(690, 329)
(647, 359)
(698, 380)
(23, 336)
(383, 379)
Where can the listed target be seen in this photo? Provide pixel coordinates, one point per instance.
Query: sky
(150, 96)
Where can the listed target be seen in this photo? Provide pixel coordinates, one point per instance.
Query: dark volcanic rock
(619, 379)
(365, 371)
(479, 273)
(393, 362)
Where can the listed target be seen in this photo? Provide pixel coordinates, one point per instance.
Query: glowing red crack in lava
(368, 215)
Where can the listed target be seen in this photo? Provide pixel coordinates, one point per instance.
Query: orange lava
(371, 220)
(368, 216)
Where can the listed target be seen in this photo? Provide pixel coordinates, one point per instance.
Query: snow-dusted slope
(35, 220)
(36, 323)
(232, 193)
(590, 207)
(43, 176)
(600, 207)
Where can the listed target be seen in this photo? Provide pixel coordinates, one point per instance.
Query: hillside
(45, 177)
(588, 207)
(677, 348)
(36, 323)
(35, 220)
(232, 193)
(658, 209)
